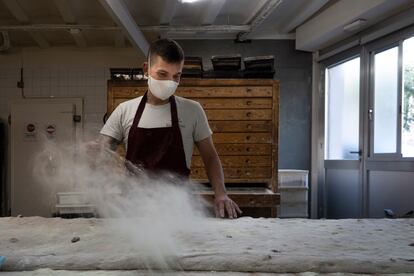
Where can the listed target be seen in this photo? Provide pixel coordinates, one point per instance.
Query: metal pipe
(160, 28)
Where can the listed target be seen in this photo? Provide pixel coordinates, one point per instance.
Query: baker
(160, 129)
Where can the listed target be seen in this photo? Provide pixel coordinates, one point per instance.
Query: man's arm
(215, 175)
(108, 142)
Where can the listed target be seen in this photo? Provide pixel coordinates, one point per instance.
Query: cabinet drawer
(241, 126)
(240, 173)
(201, 92)
(224, 91)
(128, 92)
(254, 138)
(239, 114)
(241, 149)
(236, 103)
(237, 161)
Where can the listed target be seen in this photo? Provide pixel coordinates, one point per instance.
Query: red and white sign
(50, 129)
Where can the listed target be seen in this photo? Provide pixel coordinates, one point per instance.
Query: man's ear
(145, 68)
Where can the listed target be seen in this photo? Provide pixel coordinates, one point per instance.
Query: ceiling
(126, 23)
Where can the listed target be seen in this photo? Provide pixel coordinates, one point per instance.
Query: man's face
(162, 70)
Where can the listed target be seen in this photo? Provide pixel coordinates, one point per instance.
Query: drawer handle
(248, 114)
(247, 149)
(249, 126)
(248, 102)
(136, 91)
(248, 90)
(247, 161)
(248, 137)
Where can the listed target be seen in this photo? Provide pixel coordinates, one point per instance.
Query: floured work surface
(246, 244)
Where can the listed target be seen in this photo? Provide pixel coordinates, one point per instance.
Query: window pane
(407, 137)
(385, 103)
(342, 111)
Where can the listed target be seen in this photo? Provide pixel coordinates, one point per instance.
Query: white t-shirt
(191, 119)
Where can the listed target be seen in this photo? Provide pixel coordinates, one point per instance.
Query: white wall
(63, 72)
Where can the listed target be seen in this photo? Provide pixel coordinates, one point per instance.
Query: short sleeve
(202, 129)
(113, 126)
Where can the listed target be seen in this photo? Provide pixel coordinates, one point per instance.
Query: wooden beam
(16, 10)
(65, 11)
(78, 37)
(123, 18)
(260, 17)
(168, 12)
(40, 39)
(210, 14)
(68, 16)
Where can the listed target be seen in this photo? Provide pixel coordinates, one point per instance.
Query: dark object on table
(259, 67)
(226, 63)
(193, 67)
(75, 239)
(390, 214)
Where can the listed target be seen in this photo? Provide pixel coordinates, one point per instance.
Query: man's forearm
(215, 174)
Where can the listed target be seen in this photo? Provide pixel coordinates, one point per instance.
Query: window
(386, 101)
(407, 136)
(342, 111)
(393, 100)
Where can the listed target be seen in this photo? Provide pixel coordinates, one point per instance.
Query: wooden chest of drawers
(243, 115)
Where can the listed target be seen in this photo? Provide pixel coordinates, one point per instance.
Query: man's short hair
(167, 49)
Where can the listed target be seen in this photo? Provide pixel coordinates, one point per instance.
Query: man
(160, 129)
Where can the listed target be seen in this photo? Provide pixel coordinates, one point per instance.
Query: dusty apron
(157, 149)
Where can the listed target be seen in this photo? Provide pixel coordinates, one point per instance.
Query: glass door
(342, 152)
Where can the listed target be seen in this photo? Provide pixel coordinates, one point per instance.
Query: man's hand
(223, 204)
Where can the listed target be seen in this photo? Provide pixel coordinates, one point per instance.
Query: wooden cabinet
(243, 115)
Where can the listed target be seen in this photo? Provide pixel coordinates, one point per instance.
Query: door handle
(356, 152)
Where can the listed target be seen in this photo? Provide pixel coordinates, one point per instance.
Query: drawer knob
(247, 149)
(248, 114)
(249, 126)
(248, 137)
(247, 161)
(248, 102)
(136, 91)
(248, 90)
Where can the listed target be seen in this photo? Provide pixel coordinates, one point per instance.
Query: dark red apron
(157, 149)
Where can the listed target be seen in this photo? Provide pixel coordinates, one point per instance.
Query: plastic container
(293, 195)
(293, 178)
(65, 209)
(71, 198)
(293, 210)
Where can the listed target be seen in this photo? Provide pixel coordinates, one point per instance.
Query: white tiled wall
(87, 82)
(61, 72)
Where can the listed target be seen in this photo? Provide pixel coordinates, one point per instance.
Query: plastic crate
(293, 210)
(71, 198)
(293, 195)
(293, 178)
(64, 209)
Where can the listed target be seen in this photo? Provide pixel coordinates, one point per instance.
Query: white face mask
(162, 89)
